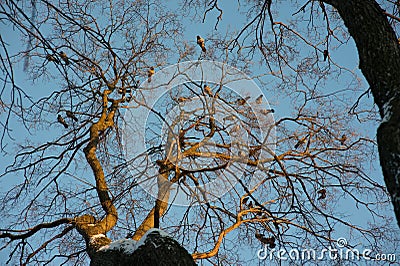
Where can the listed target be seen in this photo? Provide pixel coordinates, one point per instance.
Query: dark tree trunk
(379, 55)
(156, 250)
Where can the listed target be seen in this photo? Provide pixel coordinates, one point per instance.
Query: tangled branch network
(199, 128)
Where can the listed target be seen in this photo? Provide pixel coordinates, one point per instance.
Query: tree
(242, 178)
(378, 49)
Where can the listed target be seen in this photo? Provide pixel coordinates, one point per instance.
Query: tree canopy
(233, 127)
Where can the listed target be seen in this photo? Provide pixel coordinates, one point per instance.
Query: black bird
(322, 194)
(245, 200)
(62, 121)
(71, 115)
(326, 53)
(200, 42)
(266, 240)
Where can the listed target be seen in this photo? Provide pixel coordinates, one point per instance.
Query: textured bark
(87, 225)
(160, 207)
(156, 251)
(379, 55)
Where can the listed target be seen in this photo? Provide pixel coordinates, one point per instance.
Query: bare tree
(219, 168)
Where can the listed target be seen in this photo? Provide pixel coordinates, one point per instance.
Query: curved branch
(106, 121)
(35, 229)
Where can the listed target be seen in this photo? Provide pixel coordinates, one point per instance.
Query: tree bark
(379, 55)
(156, 250)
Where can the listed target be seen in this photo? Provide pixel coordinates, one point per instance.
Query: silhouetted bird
(207, 90)
(200, 42)
(64, 57)
(326, 53)
(343, 139)
(242, 101)
(322, 194)
(266, 240)
(245, 200)
(62, 121)
(71, 115)
(150, 73)
(52, 58)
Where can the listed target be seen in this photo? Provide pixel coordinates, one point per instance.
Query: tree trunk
(379, 55)
(156, 250)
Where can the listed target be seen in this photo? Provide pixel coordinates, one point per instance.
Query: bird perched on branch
(61, 120)
(207, 90)
(259, 99)
(64, 57)
(242, 101)
(266, 240)
(182, 99)
(150, 73)
(52, 58)
(71, 115)
(244, 201)
(267, 111)
(200, 42)
(322, 194)
(343, 139)
(326, 53)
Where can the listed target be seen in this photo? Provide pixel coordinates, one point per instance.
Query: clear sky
(345, 55)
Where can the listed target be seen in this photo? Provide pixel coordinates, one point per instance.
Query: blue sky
(345, 55)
